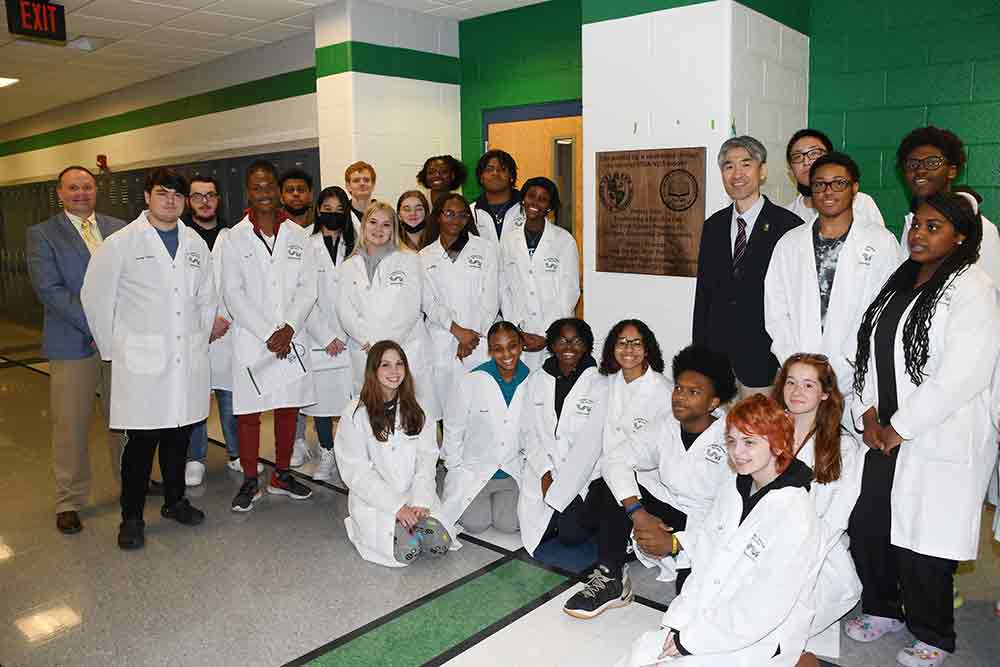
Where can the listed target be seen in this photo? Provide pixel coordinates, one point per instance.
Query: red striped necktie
(740, 247)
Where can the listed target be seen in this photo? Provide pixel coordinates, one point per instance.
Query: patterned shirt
(827, 251)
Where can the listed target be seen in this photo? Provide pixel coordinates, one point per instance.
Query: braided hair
(960, 211)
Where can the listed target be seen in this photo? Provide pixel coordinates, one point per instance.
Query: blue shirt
(170, 239)
(507, 389)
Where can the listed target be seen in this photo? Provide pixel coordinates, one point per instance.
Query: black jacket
(729, 302)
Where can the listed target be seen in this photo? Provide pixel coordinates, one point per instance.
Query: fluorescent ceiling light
(7, 82)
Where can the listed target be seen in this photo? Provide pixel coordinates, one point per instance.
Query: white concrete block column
(386, 91)
(680, 77)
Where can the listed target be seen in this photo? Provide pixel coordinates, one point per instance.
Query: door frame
(528, 112)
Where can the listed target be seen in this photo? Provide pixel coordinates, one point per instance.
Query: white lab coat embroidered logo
(551, 264)
(584, 406)
(397, 278)
(715, 453)
(194, 260)
(754, 547)
(294, 252)
(639, 423)
(475, 262)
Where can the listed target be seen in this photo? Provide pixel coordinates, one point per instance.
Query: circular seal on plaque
(616, 191)
(679, 190)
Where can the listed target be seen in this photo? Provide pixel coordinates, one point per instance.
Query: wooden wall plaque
(650, 210)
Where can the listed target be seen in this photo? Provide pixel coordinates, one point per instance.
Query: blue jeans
(198, 448)
(324, 431)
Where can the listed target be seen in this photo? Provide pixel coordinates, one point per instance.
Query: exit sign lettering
(37, 18)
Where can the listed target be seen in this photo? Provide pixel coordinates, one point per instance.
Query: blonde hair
(374, 207)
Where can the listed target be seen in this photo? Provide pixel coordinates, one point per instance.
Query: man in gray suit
(58, 252)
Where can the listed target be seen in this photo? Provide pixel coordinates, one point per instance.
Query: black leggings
(137, 464)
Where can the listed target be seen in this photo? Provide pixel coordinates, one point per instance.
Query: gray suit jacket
(57, 262)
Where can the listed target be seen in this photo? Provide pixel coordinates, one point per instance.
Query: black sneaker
(601, 592)
(247, 496)
(283, 483)
(183, 512)
(131, 534)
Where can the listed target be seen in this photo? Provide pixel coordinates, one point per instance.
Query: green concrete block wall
(531, 55)
(879, 68)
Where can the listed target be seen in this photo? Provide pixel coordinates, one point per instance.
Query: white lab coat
(989, 249)
(751, 589)
(537, 290)
(332, 375)
(480, 437)
(686, 479)
(465, 292)
(949, 444)
(151, 316)
(387, 308)
(838, 587)
(381, 477)
(264, 291)
(512, 219)
(868, 257)
(569, 448)
(864, 207)
(220, 351)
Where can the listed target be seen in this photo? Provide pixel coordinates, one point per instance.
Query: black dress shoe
(183, 512)
(155, 488)
(131, 534)
(68, 523)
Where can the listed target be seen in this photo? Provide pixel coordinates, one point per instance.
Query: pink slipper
(868, 628)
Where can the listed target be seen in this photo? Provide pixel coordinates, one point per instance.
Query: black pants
(898, 580)
(137, 463)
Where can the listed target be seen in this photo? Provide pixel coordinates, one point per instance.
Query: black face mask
(804, 190)
(295, 212)
(415, 229)
(332, 221)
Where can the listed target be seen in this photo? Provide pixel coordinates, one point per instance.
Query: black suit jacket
(729, 301)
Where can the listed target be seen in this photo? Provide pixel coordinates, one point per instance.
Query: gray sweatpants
(495, 505)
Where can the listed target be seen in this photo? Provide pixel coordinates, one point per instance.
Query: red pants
(284, 436)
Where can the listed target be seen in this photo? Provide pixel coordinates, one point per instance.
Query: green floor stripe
(431, 629)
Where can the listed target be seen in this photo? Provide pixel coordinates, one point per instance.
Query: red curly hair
(759, 415)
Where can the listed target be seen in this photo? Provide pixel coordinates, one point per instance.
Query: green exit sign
(37, 18)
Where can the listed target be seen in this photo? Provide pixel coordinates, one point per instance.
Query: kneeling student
(481, 447)
(756, 555)
(661, 479)
(149, 297)
(387, 455)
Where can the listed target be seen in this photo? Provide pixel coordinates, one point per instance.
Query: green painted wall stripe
(269, 89)
(387, 61)
(793, 13)
(432, 628)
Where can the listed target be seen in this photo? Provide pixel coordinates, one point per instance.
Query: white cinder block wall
(390, 122)
(770, 64)
(669, 79)
(291, 120)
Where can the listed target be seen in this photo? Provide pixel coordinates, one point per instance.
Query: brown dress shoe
(68, 523)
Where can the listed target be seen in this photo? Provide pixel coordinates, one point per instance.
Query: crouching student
(748, 601)
(661, 478)
(387, 456)
(481, 448)
(149, 298)
(807, 389)
(561, 425)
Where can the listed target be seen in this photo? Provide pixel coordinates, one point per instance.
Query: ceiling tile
(274, 32)
(77, 25)
(180, 39)
(219, 24)
(304, 20)
(131, 10)
(72, 5)
(264, 10)
(151, 50)
(234, 44)
(185, 4)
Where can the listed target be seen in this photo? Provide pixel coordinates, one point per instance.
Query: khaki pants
(743, 391)
(74, 384)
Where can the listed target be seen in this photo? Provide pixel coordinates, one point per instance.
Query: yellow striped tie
(87, 229)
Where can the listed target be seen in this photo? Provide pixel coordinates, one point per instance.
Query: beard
(198, 218)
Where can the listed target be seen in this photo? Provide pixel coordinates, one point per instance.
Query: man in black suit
(736, 247)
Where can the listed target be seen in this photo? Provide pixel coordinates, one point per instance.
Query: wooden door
(551, 147)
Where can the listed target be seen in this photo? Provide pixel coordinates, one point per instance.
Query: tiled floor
(282, 585)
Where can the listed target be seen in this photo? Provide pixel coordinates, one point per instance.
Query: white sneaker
(300, 453)
(194, 473)
(326, 469)
(236, 466)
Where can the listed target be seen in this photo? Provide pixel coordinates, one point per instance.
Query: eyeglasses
(812, 155)
(575, 341)
(199, 198)
(629, 343)
(837, 185)
(930, 163)
(455, 215)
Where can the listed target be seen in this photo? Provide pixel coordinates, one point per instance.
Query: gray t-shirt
(827, 251)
